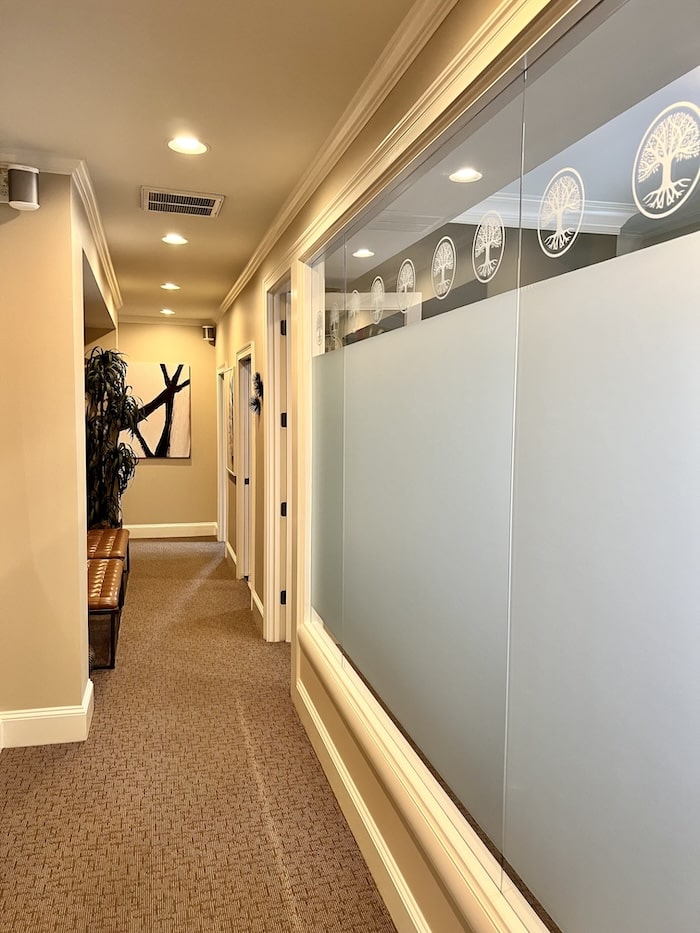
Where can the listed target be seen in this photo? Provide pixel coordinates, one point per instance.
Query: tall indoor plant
(110, 407)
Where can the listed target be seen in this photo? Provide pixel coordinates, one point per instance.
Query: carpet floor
(197, 803)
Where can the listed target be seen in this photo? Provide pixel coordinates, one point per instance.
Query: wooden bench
(106, 597)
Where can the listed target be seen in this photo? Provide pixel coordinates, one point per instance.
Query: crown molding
(408, 41)
(162, 319)
(86, 193)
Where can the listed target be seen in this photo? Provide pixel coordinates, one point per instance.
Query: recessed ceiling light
(363, 253)
(174, 238)
(464, 175)
(170, 286)
(187, 145)
(166, 311)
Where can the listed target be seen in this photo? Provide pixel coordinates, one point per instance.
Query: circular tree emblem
(405, 282)
(377, 299)
(319, 328)
(667, 165)
(354, 303)
(443, 267)
(488, 246)
(335, 322)
(561, 207)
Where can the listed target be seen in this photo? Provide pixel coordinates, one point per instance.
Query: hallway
(197, 803)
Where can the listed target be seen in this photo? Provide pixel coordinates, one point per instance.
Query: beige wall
(177, 490)
(43, 602)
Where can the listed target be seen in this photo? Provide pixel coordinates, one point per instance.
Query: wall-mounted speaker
(23, 187)
(209, 334)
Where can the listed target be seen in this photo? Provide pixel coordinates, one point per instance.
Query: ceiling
(109, 83)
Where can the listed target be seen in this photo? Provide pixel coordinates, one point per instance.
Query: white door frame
(222, 472)
(278, 461)
(245, 464)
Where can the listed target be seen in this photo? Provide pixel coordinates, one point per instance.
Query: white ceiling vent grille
(162, 201)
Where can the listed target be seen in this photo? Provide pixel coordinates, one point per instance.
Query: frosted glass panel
(327, 499)
(427, 490)
(603, 771)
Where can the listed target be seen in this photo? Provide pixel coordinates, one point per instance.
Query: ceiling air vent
(162, 201)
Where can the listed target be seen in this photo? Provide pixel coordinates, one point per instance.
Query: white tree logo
(489, 242)
(671, 145)
(562, 205)
(354, 304)
(405, 282)
(443, 267)
(319, 328)
(377, 299)
(335, 322)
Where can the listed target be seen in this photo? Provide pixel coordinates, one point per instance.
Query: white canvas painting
(164, 393)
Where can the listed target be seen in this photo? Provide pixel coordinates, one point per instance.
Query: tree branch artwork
(163, 428)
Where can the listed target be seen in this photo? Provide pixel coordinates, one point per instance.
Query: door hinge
(283, 328)
(283, 598)
(283, 419)
(283, 510)
(246, 481)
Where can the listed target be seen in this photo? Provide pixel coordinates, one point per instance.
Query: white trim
(83, 185)
(178, 321)
(57, 724)
(413, 34)
(465, 868)
(174, 530)
(400, 884)
(231, 553)
(278, 449)
(246, 547)
(221, 457)
(255, 601)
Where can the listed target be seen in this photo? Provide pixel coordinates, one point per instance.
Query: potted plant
(110, 407)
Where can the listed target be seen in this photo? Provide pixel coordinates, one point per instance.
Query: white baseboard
(174, 530)
(19, 728)
(419, 923)
(232, 554)
(256, 602)
(451, 850)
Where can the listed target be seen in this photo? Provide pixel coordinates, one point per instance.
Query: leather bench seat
(108, 542)
(106, 596)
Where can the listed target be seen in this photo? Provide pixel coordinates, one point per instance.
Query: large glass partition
(505, 528)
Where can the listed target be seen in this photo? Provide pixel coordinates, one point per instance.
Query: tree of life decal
(562, 205)
(444, 267)
(405, 283)
(354, 304)
(377, 299)
(667, 166)
(489, 243)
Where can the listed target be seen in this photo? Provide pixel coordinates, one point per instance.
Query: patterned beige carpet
(197, 803)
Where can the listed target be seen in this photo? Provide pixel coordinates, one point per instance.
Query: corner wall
(44, 684)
